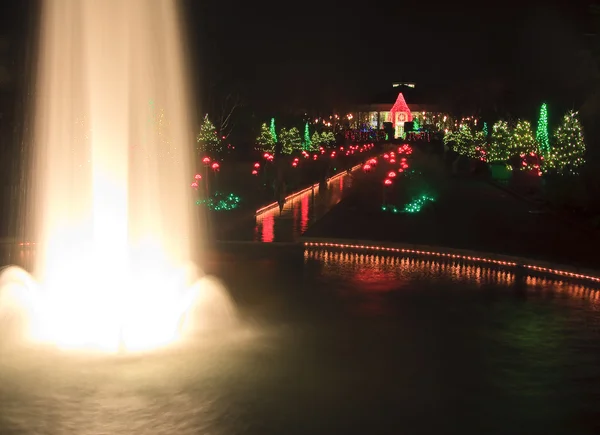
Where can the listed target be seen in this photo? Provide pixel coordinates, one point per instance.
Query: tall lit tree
(290, 140)
(484, 130)
(568, 154)
(541, 133)
(523, 140)
(265, 139)
(272, 130)
(208, 139)
(499, 142)
(307, 143)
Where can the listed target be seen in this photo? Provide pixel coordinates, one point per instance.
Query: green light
(417, 204)
(272, 130)
(307, 145)
(541, 134)
(485, 130)
(220, 202)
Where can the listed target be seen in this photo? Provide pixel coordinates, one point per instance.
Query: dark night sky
(319, 51)
(325, 53)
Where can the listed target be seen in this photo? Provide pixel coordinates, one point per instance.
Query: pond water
(338, 342)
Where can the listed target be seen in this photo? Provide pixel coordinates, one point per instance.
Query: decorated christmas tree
(499, 142)
(290, 140)
(567, 155)
(208, 139)
(541, 134)
(485, 131)
(265, 139)
(306, 143)
(523, 140)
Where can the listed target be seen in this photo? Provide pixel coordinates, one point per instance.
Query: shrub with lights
(462, 141)
(290, 140)
(208, 141)
(568, 154)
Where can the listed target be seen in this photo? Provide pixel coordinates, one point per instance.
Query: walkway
(298, 214)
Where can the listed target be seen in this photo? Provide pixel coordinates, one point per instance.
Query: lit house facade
(397, 111)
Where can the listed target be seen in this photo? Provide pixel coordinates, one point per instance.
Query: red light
(257, 165)
(400, 170)
(206, 160)
(386, 156)
(215, 166)
(294, 164)
(266, 155)
(387, 182)
(392, 160)
(254, 172)
(367, 167)
(197, 176)
(194, 185)
(392, 174)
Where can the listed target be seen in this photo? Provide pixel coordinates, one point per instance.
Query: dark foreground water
(339, 343)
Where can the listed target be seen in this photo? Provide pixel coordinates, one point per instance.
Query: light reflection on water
(299, 212)
(341, 342)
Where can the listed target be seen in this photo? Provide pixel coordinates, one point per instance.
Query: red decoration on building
(400, 111)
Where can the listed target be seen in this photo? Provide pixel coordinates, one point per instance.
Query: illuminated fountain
(110, 201)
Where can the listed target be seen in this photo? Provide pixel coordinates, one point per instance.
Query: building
(400, 105)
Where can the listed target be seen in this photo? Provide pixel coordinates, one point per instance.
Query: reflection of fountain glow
(110, 203)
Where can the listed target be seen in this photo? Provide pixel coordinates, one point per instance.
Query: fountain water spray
(112, 154)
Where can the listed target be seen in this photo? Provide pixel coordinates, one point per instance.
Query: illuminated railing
(499, 260)
(300, 192)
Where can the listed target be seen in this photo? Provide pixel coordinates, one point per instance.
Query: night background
(500, 58)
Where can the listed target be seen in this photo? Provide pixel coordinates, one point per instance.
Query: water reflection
(300, 212)
(379, 272)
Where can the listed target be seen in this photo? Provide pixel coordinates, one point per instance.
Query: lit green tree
(265, 139)
(499, 142)
(523, 140)
(485, 131)
(290, 140)
(272, 130)
(416, 125)
(568, 154)
(541, 133)
(307, 142)
(208, 140)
